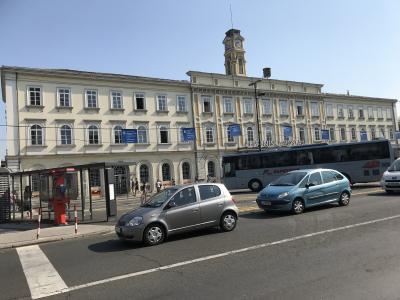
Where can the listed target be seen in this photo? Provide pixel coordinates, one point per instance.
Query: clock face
(238, 43)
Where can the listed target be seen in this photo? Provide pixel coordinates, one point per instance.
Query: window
(315, 179)
(283, 107)
(382, 130)
(65, 135)
(207, 105)
(186, 171)
(209, 134)
(373, 134)
(117, 135)
(64, 97)
(342, 134)
(268, 134)
(267, 107)
(328, 176)
(370, 112)
(116, 100)
(317, 135)
(329, 110)
(182, 105)
(140, 101)
(142, 134)
(314, 109)
(302, 137)
(91, 99)
(93, 135)
(361, 113)
(34, 96)
(211, 169)
(162, 103)
(164, 134)
(241, 69)
(332, 134)
(230, 137)
(389, 113)
(36, 135)
(215, 81)
(250, 135)
(185, 197)
(353, 133)
(340, 111)
(299, 108)
(248, 106)
(228, 105)
(350, 112)
(144, 173)
(209, 192)
(166, 172)
(380, 113)
(94, 177)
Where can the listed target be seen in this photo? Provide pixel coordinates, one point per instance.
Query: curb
(54, 239)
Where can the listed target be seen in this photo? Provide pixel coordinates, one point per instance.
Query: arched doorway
(166, 172)
(211, 170)
(186, 174)
(144, 174)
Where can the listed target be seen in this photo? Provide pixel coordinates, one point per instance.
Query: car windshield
(395, 166)
(289, 179)
(160, 198)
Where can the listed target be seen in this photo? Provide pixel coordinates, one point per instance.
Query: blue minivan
(300, 189)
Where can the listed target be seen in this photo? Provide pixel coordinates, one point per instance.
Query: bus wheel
(255, 185)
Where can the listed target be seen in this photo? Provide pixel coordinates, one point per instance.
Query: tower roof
(232, 31)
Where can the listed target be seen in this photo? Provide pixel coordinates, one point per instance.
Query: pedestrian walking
(158, 185)
(136, 187)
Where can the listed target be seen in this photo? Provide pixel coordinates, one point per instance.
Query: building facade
(62, 117)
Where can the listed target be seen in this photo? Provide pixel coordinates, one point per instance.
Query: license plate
(266, 202)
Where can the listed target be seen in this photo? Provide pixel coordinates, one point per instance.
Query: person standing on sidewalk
(158, 185)
(136, 186)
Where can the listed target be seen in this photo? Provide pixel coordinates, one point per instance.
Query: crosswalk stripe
(43, 279)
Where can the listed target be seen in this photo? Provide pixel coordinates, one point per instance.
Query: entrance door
(121, 179)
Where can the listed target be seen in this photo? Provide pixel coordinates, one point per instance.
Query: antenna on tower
(230, 9)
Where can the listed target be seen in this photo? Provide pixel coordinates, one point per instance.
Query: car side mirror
(171, 204)
(309, 185)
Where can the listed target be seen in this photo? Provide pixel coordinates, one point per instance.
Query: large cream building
(63, 117)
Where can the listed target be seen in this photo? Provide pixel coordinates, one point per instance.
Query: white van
(390, 181)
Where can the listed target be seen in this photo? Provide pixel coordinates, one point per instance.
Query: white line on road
(219, 255)
(43, 279)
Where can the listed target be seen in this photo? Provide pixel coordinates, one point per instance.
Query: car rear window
(209, 191)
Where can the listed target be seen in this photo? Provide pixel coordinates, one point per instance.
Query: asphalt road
(326, 253)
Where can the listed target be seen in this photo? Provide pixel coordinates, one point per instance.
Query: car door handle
(220, 203)
(195, 210)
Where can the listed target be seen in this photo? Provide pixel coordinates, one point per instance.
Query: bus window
(229, 169)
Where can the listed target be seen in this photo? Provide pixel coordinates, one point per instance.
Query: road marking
(43, 279)
(219, 255)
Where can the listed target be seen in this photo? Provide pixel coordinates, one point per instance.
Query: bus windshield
(289, 179)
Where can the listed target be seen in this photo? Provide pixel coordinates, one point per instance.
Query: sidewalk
(16, 235)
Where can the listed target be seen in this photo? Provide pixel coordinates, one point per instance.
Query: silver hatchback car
(179, 209)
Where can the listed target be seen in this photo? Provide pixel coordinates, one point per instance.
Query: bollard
(39, 219)
(76, 219)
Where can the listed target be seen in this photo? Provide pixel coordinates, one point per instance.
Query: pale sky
(344, 44)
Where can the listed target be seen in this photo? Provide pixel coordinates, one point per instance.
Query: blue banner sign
(234, 129)
(129, 136)
(325, 134)
(189, 134)
(363, 136)
(287, 131)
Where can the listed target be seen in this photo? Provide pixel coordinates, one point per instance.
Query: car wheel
(153, 235)
(344, 199)
(297, 206)
(255, 185)
(228, 221)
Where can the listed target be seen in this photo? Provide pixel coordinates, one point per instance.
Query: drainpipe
(194, 126)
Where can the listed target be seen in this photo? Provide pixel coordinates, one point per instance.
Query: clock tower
(235, 64)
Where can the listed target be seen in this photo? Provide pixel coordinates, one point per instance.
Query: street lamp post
(254, 83)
